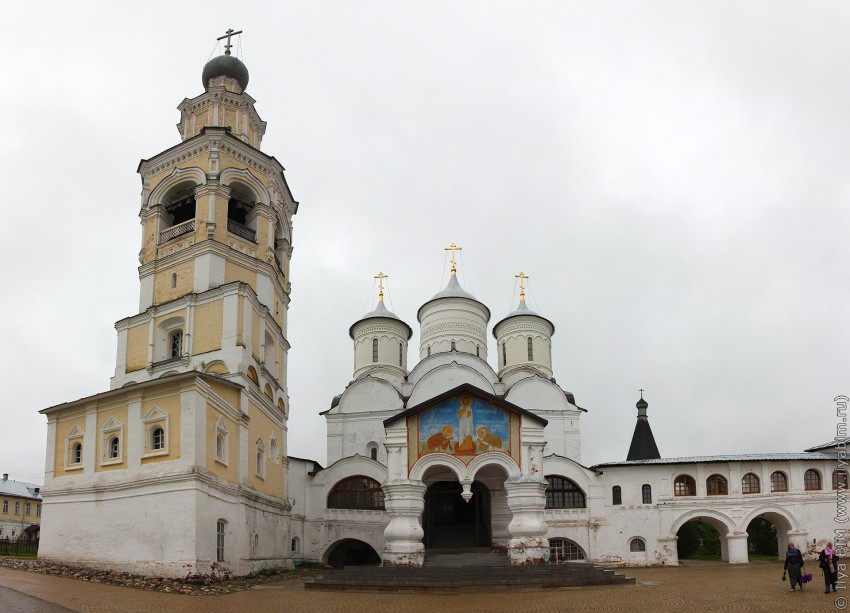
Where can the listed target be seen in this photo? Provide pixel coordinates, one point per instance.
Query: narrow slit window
(530, 350)
(504, 355)
(173, 279)
(175, 344)
(374, 350)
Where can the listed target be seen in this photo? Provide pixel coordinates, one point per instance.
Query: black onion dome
(225, 66)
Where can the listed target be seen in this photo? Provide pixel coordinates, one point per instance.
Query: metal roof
(829, 445)
(10, 487)
(744, 457)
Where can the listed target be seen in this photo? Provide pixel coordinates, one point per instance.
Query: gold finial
(453, 248)
(380, 277)
(522, 277)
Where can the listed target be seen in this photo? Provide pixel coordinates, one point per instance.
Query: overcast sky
(673, 176)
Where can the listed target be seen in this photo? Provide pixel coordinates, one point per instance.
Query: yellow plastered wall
(137, 347)
(119, 412)
(162, 284)
(228, 471)
(236, 272)
(207, 327)
(227, 393)
(21, 515)
(170, 405)
(64, 425)
(261, 427)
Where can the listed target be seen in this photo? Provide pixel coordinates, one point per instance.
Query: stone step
(489, 577)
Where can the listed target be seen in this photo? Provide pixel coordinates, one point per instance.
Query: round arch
(361, 551)
(441, 460)
(244, 180)
(180, 177)
(493, 458)
(722, 522)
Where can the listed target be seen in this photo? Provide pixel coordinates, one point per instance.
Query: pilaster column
(404, 500)
(736, 547)
(526, 497)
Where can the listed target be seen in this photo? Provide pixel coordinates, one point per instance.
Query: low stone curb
(155, 584)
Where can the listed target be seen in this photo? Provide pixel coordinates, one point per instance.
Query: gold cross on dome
(380, 277)
(453, 248)
(522, 277)
(227, 35)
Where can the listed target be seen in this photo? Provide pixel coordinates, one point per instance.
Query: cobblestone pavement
(695, 587)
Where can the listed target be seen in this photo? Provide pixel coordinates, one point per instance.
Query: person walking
(828, 562)
(794, 566)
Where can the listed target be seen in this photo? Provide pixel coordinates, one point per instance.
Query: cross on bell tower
(227, 35)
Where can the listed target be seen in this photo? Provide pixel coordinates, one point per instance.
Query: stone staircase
(483, 570)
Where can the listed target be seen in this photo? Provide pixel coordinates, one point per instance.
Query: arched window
(400, 354)
(811, 480)
(267, 390)
(716, 485)
(564, 550)
(646, 492)
(839, 479)
(261, 459)
(453, 345)
(113, 447)
(182, 206)
(373, 453)
(77, 453)
(358, 492)
(175, 344)
(504, 355)
(563, 493)
(252, 375)
(429, 350)
(157, 439)
(778, 482)
(637, 545)
(684, 485)
(219, 446)
(477, 351)
(219, 539)
(374, 350)
(616, 495)
(274, 454)
(530, 350)
(750, 484)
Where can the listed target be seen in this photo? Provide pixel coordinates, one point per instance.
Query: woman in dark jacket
(793, 566)
(828, 561)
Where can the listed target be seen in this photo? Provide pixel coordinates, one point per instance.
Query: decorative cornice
(443, 328)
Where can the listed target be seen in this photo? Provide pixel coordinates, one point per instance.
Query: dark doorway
(351, 552)
(450, 522)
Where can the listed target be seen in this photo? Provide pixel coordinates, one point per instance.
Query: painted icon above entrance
(464, 426)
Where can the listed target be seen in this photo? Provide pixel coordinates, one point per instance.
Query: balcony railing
(175, 231)
(238, 229)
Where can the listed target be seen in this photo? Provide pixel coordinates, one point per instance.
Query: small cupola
(380, 339)
(643, 445)
(226, 70)
(453, 320)
(524, 341)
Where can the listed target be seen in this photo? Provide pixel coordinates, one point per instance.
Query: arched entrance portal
(351, 552)
(450, 522)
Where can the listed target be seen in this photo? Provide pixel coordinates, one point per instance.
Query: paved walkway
(706, 586)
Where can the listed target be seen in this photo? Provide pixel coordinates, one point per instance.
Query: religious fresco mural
(463, 426)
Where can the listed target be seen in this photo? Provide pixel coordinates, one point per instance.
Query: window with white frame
(111, 436)
(17, 507)
(74, 448)
(5, 506)
(38, 510)
(274, 449)
(222, 439)
(156, 432)
(261, 459)
(28, 508)
(220, 526)
(175, 344)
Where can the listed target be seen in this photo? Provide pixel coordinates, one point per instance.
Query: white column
(404, 500)
(135, 434)
(52, 451)
(526, 497)
(90, 440)
(736, 547)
